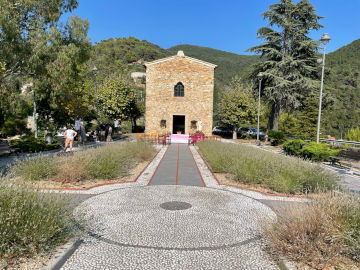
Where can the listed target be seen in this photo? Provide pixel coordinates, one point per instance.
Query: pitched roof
(180, 54)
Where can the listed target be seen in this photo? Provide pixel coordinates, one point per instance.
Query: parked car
(249, 131)
(222, 131)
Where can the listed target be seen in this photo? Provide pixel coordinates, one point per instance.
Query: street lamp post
(260, 77)
(96, 95)
(323, 40)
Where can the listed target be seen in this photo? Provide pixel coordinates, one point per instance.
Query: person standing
(69, 134)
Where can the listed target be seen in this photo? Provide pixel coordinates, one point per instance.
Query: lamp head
(260, 76)
(325, 39)
(94, 69)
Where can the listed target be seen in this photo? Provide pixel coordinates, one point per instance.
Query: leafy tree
(138, 109)
(117, 99)
(35, 47)
(15, 103)
(289, 56)
(20, 23)
(353, 134)
(237, 106)
(130, 56)
(59, 58)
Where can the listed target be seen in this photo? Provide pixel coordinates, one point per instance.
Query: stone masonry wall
(161, 104)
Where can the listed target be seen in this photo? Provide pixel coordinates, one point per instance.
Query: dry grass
(70, 170)
(322, 233)
(106, 162)
(254, 166)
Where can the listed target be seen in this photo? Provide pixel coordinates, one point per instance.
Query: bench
(344, 158)
(335, 161)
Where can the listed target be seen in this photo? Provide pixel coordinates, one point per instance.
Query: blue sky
(228, 25)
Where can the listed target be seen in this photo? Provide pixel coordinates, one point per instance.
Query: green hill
(229, 64)
(343, 83)
(124, 55)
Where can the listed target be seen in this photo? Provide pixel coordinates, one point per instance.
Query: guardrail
(337, 142)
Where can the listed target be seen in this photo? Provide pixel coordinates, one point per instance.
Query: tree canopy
(237, 106)
(117, 99)
(289, 56)
(35, 48)
(21, 22)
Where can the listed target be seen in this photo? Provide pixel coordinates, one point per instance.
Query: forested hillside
(343, 83)
(124, 55)
(229, 64)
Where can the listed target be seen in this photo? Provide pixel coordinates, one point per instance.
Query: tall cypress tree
(290, 56)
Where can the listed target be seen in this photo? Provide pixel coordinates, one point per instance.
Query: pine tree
(308, 116)
(289, 65)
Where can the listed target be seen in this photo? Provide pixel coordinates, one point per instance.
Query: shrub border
(111, 183)
(250, 189)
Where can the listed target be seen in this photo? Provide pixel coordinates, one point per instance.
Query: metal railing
(338, 142)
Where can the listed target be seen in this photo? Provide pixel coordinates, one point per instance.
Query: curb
(62, 255)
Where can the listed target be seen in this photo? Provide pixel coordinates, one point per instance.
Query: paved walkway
(177, 168)
(175, 216)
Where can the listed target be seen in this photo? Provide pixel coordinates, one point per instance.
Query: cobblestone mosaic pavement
(129, 230)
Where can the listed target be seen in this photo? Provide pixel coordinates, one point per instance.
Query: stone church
(179, 95)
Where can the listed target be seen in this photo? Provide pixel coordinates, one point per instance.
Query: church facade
(179, 95)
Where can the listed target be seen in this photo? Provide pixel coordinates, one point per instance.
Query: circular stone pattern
(216, 218)
(175, 205)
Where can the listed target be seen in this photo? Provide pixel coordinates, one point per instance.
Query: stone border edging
(62, 255)
(197, 167)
